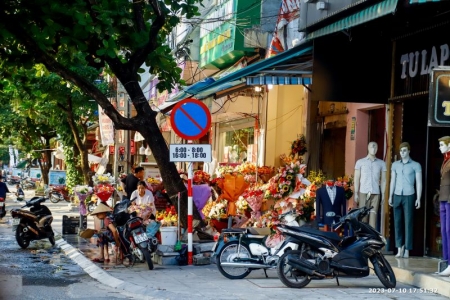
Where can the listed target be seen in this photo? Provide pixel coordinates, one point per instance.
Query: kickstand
(265, 272)
(337, 280)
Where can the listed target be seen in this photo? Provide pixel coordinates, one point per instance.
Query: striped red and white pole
(190, 210)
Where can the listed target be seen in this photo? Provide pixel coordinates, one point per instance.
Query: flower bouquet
(201, 177)
(298, 147)
(168, 217)
(103, 186)
(346, 182)
(242, 206)
(232, 186)
(218, 210)
(265, 173)
(143, 211)
(246, 168)
(82, 192)
(254, 199)
(222, 170)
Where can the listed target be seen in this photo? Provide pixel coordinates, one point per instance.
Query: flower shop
(250, 196)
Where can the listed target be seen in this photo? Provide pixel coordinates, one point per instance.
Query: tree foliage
(122, 35)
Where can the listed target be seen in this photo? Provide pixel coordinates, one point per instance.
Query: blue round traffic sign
(190, 119)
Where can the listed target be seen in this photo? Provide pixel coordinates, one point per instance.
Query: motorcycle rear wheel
(228, 254)
(290, 276)
(20, 237)
(54, 198)
(384, 271)
(70, 198)
(148, 257)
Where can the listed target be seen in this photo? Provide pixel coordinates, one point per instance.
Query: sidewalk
(415, 271)
(194, 282)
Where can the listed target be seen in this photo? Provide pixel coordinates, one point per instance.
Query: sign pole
(190, 212)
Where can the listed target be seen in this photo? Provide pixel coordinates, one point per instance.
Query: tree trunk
(147, 126)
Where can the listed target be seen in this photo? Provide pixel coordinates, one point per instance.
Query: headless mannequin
(404, 195)
(444, 201)
(368, 192)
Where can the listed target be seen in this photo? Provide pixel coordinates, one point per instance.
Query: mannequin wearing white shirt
(143, 196)
(406, 175)
(370, 182)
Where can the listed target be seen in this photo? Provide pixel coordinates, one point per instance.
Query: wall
(286, 118)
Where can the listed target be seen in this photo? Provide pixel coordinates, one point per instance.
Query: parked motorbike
(13, 181)
(241, 250)
(33, 224)
(134, 231)
(59, 193)
(325, 255)
(27, 183)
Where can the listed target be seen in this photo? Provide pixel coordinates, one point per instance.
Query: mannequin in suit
(444, 199)
(325, 203)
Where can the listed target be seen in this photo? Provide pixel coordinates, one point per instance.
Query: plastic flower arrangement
(346, 182)
(298, 147)
(167, 217)
(283, 184)
(201, 177)
(103, 178)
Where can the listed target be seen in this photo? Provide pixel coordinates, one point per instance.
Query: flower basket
(265, 177)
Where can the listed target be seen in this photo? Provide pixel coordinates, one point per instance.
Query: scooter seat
(332, 236)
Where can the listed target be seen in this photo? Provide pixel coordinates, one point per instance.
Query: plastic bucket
(168, 235)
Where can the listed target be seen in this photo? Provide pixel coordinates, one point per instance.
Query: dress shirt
(405, 176)
(370, 174)
(331, 193)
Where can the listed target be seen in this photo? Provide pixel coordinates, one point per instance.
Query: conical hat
(101, 208)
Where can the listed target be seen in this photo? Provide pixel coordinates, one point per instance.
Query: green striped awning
(370, 13)
(423, 1)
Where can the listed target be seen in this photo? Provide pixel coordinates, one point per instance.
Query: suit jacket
(444, 189)
(323, 205)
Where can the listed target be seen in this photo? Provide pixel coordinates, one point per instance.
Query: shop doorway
(333, 152)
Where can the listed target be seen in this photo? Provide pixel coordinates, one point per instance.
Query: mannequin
(330, 198)
(370, 182)
(444, 199)
(404, 173)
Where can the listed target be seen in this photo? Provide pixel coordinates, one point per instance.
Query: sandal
(98, 260)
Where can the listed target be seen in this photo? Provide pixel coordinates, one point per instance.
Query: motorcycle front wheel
(21, 239)
(148, 257)
(228, 254)
(290, 276)
(384, 271)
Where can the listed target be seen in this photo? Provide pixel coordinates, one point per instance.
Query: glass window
(238, 145)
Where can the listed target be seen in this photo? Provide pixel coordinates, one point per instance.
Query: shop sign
(439, 113)
(106, 128)
(111, 150)
(57, 177)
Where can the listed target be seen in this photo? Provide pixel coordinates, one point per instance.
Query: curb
(106, 279)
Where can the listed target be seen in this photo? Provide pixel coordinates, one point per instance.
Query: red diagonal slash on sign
(190, 118)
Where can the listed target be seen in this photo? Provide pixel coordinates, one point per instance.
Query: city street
(44, 272)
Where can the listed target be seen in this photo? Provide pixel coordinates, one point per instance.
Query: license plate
(15, 222)
(140, 237)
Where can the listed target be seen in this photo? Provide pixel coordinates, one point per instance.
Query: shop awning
(423, 1)
(365, 15)
(267, 67)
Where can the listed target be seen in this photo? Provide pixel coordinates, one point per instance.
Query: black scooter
(133, 230)
(325, 255)
(33, 224)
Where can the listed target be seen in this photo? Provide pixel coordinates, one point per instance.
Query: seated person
(19, 193)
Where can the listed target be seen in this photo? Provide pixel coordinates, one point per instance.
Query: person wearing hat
(107, 234)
